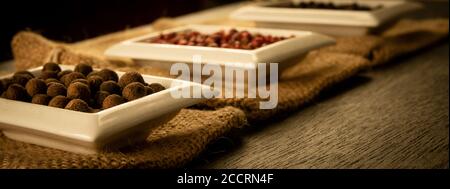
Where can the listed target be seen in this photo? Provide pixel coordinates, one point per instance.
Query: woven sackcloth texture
(184, 137)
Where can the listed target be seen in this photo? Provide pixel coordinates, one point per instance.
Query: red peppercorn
(223, 39)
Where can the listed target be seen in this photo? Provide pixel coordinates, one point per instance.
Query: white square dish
(90, 133)
(331, 22)
(277, 52)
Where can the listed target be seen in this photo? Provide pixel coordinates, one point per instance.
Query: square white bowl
(90, 133)
(330, 22)
(277, 52)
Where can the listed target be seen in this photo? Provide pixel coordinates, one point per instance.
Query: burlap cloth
(183, 138)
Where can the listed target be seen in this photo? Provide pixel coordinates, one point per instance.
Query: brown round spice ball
(48, 74)
(36, 86)
(51, 80)
(17, 92)
(56, 89)
(108, 74)
(51, 66)
(78, 105)
(156, 87)
(112, 100)
(6, 82)
(134, 91)
(130, 77)
(111, 87)
(59, 102)
(84, 81)
(26, 73)
(67, 79)
(41, 99)
(63, 73)
(100, 97)
(85, 69)
(92, 74)
(78, 90)
(149, 90)
(21, 79)
(94, 82)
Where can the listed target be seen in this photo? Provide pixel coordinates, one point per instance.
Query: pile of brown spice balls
(82, 89)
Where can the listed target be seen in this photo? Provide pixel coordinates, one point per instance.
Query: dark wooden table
(393, 116)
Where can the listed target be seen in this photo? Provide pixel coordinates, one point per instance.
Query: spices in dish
(73, 91)
(327, 5)
(232, 39)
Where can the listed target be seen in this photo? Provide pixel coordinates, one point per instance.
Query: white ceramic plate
(332, 22)
(90, 133)
(303, 42)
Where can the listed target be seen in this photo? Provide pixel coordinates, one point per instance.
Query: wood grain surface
(394, 116)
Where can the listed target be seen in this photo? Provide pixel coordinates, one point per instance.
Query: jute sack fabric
(184, 137)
